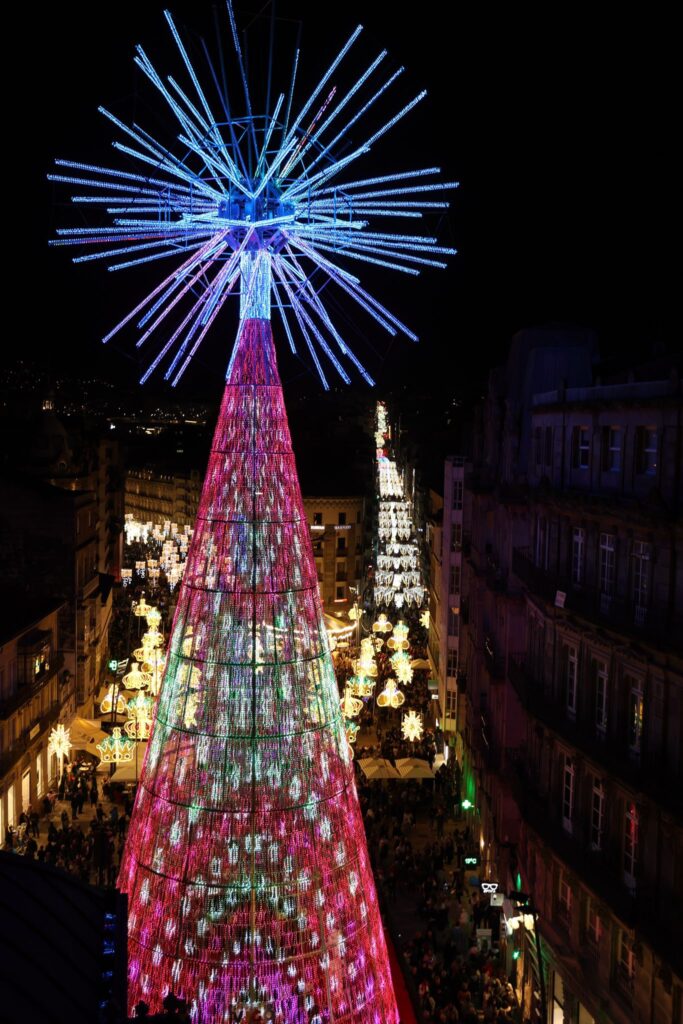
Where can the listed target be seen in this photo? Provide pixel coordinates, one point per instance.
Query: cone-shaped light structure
(246, 866)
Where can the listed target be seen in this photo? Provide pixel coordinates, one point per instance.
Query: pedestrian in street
(34, 820)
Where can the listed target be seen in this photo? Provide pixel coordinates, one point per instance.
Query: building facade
(36, 692)
(153, 496)
(571, 645)
(445, 540)
(337, 533)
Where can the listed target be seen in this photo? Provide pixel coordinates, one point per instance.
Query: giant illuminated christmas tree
(246, 866)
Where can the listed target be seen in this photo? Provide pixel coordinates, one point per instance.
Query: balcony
(599, 871)
(29, 690)
(647, 773)
(22, 743)
(589, 602)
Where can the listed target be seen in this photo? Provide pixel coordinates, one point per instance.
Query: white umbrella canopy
(414, 768)
(86, 734)
(127, 772)
(419, 663)
(378, 768)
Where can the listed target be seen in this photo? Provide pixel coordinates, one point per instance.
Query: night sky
(558, 125)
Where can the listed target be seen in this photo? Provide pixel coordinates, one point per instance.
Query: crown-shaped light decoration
(141, 711)
(116, 749)
(136, 679)
(399, 640)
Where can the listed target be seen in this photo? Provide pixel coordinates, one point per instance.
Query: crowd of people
(88, 847)
(456, 977)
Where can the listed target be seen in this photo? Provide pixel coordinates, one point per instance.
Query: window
(601, 683)
(581, 447)
(597, 814)
(611, 449)
(456, 537)
(342, 519)
(451, 704)
(641, 573)
(453, 622)
(452, 664)
(646, 450)
(567, 793)
(564, 895)
(631, 825)
(548, 446)
(454, 580)
(538, 446)
(341, 543)
(626, 960)
(541, 542)
(608, 544)
(593, 923)
(635, 717)
(341, 593)
(571, 679)
(457, 494)
(578, 549)
(317, 519)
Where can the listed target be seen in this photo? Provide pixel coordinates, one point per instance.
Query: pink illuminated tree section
(246, 864)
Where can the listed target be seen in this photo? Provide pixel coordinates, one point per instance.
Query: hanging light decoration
(141, 711)
(355, 613)
(399, 641)
(351, 706)
(153, 638)
(153, 618)
(352, 731)
(366, 662)
(141, 608)
(390, 696)
(59, 743)
(401, 665)
(114, 693)
(136, 679)
(411, 726)
(382, 625)
(360, 686)
(116, 749)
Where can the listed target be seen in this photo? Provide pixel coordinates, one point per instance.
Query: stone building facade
(573, 654)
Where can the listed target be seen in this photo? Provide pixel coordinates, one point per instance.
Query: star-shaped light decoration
(411, 726)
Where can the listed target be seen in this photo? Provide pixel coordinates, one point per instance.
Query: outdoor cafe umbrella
(378, 768)
(414, 768)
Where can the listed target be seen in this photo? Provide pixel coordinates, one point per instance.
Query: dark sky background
(559, 124)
